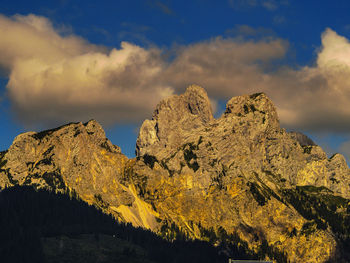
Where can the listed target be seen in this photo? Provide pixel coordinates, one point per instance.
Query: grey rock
(192, 170)
(302, 138)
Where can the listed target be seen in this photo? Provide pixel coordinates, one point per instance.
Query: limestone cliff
(77, 158)
(241, 174)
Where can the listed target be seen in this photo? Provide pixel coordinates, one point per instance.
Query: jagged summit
(193, 103)
(242, 105)
(255, 104)
(241, 174)
(173, 117)
(181, 116)
(302, 138)
(92, 129)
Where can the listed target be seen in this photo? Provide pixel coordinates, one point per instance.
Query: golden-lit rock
(241, 174)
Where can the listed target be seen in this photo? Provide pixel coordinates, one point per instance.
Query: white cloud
(225, 67)
(56, 79)
(27, 37)
(315, 98)
(319, 96)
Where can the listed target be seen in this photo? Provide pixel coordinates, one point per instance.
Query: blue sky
(229, 47)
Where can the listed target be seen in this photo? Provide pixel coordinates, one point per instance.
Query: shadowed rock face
(241, 173)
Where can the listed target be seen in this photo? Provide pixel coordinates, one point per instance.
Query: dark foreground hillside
(41, 226)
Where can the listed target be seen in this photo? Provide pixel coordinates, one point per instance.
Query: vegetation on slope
(41, 226)
(324, 210)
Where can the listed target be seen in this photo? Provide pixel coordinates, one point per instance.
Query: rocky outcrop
(77, 158)
(247, 138)
(230, 172)
(186, 113)
(241, 174)
(302, 139)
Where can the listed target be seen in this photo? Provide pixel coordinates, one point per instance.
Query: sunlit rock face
(241, 173)
(174, 119)
(79, 159)
(246, 139)
(231, 171)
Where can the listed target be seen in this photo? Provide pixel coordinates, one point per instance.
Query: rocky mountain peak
(253, 106)
(241, 174)
(33, 153)
(90, 131)
(181, 118)
(302, 138)
(93, 127)
(194, 104)
(198, 103)
(173, 118)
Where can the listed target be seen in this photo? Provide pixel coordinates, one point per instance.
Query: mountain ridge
(240, 173)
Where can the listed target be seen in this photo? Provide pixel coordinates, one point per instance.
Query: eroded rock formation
(241, 174)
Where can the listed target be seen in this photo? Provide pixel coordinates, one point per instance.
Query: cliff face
(239, 174)
(76, 158)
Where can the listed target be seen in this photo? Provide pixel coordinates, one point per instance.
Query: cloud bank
(318, 96)
(55, 79)
(314, 98)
